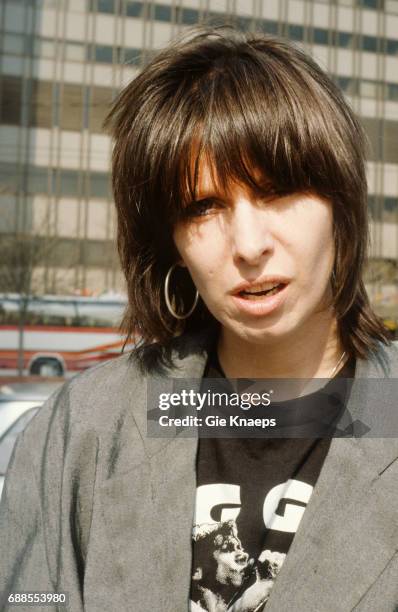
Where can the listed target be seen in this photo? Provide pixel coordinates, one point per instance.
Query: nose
(241, 557)
(250, 233)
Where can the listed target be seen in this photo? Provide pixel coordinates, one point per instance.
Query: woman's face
(238, 246)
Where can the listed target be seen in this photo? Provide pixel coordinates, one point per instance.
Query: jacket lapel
(148, 516)
(345, 539)
(147, 513)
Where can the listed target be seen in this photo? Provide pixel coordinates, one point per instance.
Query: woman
(239, 182)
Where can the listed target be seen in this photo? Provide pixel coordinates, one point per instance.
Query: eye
(201, 208)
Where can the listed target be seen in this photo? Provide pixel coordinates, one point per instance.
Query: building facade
(62, 62)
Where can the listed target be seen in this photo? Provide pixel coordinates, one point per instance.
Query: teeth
(261, 287)
(256, 296)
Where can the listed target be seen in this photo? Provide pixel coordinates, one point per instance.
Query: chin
(260, 333)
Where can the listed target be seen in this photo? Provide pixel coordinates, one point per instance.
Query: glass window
(392, 92)
(135, 9)
(97, 252)
(44, 47)
(369, 43)
(99, 185)
(213, 17)
(54, 4)
(13, 44)
(392, 47)
(372, 4)
(270, 27)
(38, 180)
(189, 16)
(100, 314)
(69, 183)
(10, 100)
(132, 56)
(321, 36)
(375, 204)
(295, 32)
(51, 311)
(390, 142)
(103, 6)
(71, 107)
(372, 205)
(74, 52)
(66, 253)
(86, 107)
(373, 130)
(56, 104)
(348, 85)
(162, 12)
(343, 82)
(103, 54)
(148, 55)
(243, 23)
(90, 52)
(101, 98)
(9, 176)
(8, 213)
(43, 108)
(345, 39)
(391, 205)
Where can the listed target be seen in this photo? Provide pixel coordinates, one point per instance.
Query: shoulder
(72, 445)
(87, 410)
(393, 356)
(106, 402)
(104, 389)
(381, 362)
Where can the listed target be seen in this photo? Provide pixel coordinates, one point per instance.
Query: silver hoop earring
(169, 305)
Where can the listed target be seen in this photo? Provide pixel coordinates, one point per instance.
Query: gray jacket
(94, 507)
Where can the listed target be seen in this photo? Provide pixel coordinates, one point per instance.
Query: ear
(198, 575)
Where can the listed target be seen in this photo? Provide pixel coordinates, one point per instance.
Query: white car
(19, 402)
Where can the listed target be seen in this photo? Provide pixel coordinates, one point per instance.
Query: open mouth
(258, 292)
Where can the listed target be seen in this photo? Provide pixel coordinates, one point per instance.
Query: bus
(61, 335)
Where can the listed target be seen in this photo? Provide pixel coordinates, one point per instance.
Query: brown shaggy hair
(248, 102)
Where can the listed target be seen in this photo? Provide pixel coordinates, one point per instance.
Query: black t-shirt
(251, 495)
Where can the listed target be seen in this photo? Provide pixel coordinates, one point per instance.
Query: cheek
(317, 242)
(201, 253)
(202, 271)
(321, 249)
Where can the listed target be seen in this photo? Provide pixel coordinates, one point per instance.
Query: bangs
(257, 110)
(258, 121)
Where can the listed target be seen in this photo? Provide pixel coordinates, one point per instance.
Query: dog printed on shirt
(221, 568)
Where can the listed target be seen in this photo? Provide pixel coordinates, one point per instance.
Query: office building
(62, 62)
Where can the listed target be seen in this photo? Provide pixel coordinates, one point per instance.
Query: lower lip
(260, 307)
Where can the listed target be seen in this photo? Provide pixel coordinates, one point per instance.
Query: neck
(312, 352)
